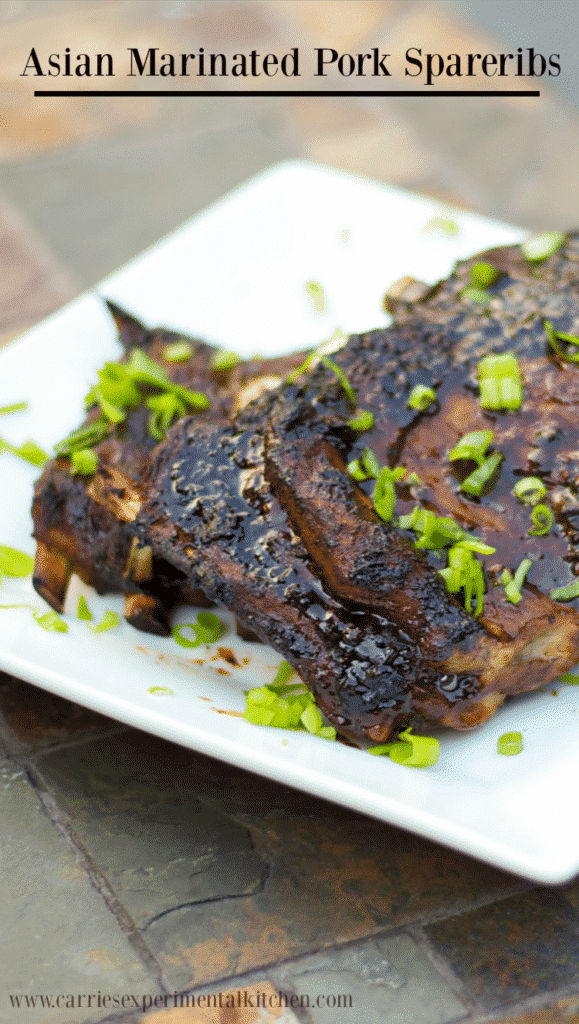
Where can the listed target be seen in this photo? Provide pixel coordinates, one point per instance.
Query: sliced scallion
(363, 420)
(29, 451)
(568, 593)
(14, 562)
(530, 490)
(108, 621)
(569, 355)
(224, 360)
(84, 461)
(500, 382)
(50, 622)
(207, 629)
(83, 611)
(472, 446)
(483, 275)
(410, 750)
(513, 584)
(510, 743)
(177, 351)
(542, 519)
(16, 407)
(476, 482)
(421, 397)
(473, 294)
(317, 295)
(540, 246)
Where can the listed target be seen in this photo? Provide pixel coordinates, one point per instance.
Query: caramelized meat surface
(82, 524)
(260, 512)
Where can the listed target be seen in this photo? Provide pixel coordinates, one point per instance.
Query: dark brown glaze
(83, 524)
(235, 508)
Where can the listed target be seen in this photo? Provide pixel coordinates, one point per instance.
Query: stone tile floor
(147, 884)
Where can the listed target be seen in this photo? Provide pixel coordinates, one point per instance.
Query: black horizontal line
(287, 92)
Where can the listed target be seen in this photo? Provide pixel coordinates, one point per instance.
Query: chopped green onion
(371, 464)
(553, 337)
(83, 611)
(384, 496)
(510, 743)
(14, 562)
(84, 437)
(363, 420)
(165, 408)
(530, 490)
(224, 360)
(341, 377)
(356, 470)
(465, 573)
(283, 674)
(483, 275)
(512, 584)
(544, 244)
(84, 461)
(160, 691)
(264, 706)
(317, 295)
(445, 224)
(568, 677)
(476, 482)
(207, 629)
(177, 351)
(567, 593)
(108, 621)
(17, 407)
(410, 750)
(542, 519)
(500, 381)
(421, 397)
(472, 446)
(473, 294)
(50, 621)
(29, 451)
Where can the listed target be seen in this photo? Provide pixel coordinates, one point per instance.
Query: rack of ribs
(258, 511)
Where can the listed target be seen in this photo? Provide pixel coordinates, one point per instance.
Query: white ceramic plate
(236, 274)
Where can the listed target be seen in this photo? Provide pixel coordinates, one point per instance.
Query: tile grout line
(95, 876)
(443, 966)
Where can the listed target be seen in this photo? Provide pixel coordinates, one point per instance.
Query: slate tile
(138, 815)
(57, 934)
(389, 980)
(39, 718)
(518, 947)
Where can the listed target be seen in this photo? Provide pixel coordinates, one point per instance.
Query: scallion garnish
(84, 437)
(108, 621)
(177, 351)
(544, 244)
(421, 397)
(513, 584)
(530, 490)
(410, 750)
(224, 360)
(14, 562)
(473, 294)
(553, 337)
(264, 706)
(50, 622)
(500, 381)
(160, 691)
(567, 593)
(384, 496)
(317, 295)
(510, 743)
(464, 573)
(472, 447)
(444, 224)
(568, 677)
(483, 275)
(16, 407)
(331, 366)
(83, 611)
(363, 420)
(207, 629)
(542, 519)
(29, 451)
(84, 461)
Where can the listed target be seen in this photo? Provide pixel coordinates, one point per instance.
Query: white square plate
(236, 274)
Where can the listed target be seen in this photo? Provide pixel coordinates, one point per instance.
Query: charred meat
(261, 513)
